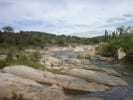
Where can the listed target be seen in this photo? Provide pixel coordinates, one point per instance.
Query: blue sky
(85, 18)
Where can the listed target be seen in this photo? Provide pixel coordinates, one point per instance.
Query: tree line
(33, 38)
(119, 32)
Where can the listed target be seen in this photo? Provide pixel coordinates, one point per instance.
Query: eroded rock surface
(96, 76)
(28, 89)
(102, 69)
(65, 81)
(74, 73)
(22, 79)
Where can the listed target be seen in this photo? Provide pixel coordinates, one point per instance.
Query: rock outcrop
(12, 85)
(96, 76)
(61, 74)
(102, 69)
(65, 81)
(85, 51)
(29, 82)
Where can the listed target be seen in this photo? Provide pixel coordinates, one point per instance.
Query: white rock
(11, 84)
(102, 69)
(65, 81)
(96, 76)
(121, 53)
(26, 72)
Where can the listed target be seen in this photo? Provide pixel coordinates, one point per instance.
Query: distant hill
(41, 39)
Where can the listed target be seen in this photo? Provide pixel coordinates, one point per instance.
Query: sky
(85, 18)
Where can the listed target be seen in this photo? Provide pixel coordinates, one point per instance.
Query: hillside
(40, 39)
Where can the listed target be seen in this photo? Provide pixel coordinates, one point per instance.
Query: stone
(26, 72)
(85, 51)
(11, 85)
(121, 53)
(50, 61)
(74, 83)
(102, 69)
(109, 59)
(65, 81)
(96, 76)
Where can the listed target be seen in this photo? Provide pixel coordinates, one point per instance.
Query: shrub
(107, 50)
(129, 57)
(35, 56)
(110, 48)
(3, 63)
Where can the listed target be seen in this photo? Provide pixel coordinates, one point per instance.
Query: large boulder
(121, 53)
(96, 76)
(13, 87)
(68, 82)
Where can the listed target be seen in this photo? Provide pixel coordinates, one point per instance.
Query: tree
(113, 34)
(120, 30)
(1, 39)
(106, 35)
(7, 29)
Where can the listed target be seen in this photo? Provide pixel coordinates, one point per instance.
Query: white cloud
(66, 16)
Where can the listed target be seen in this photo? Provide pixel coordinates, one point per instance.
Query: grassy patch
(21, 57)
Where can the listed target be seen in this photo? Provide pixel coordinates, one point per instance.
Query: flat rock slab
(26, 72)
(65, 81)
(75, 83)
(11, 85)
(96, 76)
(105, 70)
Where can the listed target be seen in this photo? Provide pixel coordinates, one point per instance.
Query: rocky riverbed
(63, 73)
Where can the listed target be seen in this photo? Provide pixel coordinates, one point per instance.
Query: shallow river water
(119, 92)
(116, 93)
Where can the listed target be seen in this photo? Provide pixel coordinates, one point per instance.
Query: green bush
(35, 56)
(129, 57)
(107, 50)
(3, 63)
(110, 48)
(16, 57)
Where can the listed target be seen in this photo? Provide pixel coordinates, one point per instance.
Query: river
(116, 93)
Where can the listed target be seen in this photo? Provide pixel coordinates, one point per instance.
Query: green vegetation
(13, 45)
(16, 56)
(40, 39)
(7, 29)
(121, 38)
